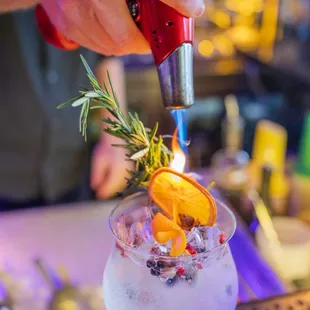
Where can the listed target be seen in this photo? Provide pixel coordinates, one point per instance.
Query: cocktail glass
(131, 284)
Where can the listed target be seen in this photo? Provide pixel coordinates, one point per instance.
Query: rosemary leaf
(68, 103)
(144, 148)
(153, 133)
(79, 102)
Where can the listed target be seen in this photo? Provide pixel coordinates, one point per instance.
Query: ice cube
(195, 240)
(145, 214)
(160, 250)
(123, 233)
(167, 273)
(140, 232)
(126, 220)
(213, 237)
(135, 228)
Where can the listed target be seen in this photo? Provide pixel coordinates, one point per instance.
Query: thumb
(190, 8)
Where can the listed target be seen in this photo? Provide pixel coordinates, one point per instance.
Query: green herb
(143, 146)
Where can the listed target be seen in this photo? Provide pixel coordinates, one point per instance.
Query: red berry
(180, 271)
(199, 266)
(222, 238)
(188, 247)
(123, 253)
(192, 252)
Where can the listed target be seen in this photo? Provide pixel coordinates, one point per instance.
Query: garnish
(164, 229)
(182, 199)
(147, 150)
(184, 202)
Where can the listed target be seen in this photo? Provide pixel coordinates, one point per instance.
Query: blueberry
(171, 281)
(161, 265)
(188, 279)
(150, 263)
(155, 272)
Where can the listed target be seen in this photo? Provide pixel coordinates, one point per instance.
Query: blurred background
(250, 125)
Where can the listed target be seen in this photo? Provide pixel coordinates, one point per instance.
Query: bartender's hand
(106, 26)
(109, 168)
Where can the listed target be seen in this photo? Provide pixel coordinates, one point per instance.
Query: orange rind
(182, 199)
(165, 229)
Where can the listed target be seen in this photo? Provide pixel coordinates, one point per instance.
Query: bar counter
(75, 236)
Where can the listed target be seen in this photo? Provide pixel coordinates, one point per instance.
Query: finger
(107, 187)
(84, 17)
(56, 11)
(99, 171)
(190, 8)
(114, 16)
(112, 184)
(82, 27)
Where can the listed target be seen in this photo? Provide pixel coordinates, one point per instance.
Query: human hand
(106, 26)
(108, 169)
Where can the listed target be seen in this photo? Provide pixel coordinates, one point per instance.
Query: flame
(178, 162)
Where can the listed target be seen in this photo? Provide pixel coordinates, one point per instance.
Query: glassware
(202, 281)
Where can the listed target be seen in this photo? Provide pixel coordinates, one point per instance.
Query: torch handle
(163, 27)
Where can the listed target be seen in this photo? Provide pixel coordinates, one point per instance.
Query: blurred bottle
(265, 188)
(300, 203)
(229, 164)
(269, 149)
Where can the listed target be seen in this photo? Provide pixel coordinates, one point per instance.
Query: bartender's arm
(109, 166)
(104, 26)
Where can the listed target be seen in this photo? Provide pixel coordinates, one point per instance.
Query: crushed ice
(135, 230)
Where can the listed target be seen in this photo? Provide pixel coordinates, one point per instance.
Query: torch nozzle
(176, 78)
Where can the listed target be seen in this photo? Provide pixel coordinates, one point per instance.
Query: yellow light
(245, 38)
(224, 45)
(245, 7)
(206, 48)
(221, 19)
(269, 29)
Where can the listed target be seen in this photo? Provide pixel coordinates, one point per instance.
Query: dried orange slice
(164, 229)
(182, 199)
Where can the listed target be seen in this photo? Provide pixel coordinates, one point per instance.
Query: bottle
(300, 197)
(269, 149)
(265, 188)
(228, 165)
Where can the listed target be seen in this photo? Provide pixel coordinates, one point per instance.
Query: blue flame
(180, 118)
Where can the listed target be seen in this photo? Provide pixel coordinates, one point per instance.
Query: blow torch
(170, 36)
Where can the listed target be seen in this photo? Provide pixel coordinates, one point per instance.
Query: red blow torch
(170, 36)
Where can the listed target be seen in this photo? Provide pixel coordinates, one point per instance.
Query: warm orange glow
(178, 162)
(229, 66)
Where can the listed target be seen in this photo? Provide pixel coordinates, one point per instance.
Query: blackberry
(150, 263)
(188, 279)
(171, 281)
(160, 264)
(155, 272)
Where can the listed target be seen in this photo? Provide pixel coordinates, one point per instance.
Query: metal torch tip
(176, 78)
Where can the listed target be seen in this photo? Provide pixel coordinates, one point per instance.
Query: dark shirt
(41, 150)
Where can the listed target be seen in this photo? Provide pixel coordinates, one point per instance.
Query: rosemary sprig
(143, 146)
